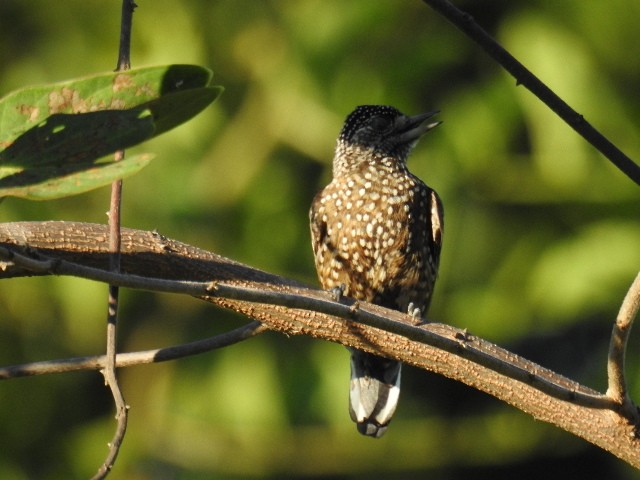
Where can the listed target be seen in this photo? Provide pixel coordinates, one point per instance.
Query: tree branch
(617, 385)
(465, 22)
(109, 370)
(304, 300)
(79, 249)
(130, 359)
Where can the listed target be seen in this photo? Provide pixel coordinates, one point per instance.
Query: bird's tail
(374, 392)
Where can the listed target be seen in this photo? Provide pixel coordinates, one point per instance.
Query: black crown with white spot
(366, 118)
(384, 131)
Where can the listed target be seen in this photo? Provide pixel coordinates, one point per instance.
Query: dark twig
(124, 50)
(523, 76)
(617, 387)
(97, 362)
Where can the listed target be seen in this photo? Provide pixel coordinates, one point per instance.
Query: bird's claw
(338, 292)
(415, 313)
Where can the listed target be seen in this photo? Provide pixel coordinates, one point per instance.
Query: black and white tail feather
(373, 392)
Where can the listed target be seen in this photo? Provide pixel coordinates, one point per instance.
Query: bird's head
(384, 130)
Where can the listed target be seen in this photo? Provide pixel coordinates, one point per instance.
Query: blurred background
(542, 235)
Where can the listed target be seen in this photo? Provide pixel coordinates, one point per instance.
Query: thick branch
(456, 354)
(476, 350)
(523, 76)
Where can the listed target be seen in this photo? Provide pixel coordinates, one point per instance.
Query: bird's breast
(368, 235)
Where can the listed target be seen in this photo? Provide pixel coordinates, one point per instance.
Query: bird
(376, 232)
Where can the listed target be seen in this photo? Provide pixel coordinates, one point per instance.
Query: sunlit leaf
(25, 108)
(50, 132)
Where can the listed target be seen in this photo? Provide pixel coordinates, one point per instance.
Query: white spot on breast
(370, 229)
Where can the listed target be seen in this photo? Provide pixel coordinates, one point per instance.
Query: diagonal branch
(154, 262)
(465, 22)
(475, 349)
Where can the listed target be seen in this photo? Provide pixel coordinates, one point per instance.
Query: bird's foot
(338, 292)
(415, 313)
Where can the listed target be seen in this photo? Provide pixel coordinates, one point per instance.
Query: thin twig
(617, 385)
(109, 371)
(129, 359)
(124, 49)
(523, 76)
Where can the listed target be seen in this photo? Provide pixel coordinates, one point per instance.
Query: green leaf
(50, 132)
(25, 108)
(65, 139)
(173, 109)
(49, 182)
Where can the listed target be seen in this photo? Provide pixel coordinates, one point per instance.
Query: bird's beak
(412, 128)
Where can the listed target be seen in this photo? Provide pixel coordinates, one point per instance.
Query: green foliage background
(542, 235)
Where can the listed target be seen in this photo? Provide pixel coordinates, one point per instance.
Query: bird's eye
(381, 124)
